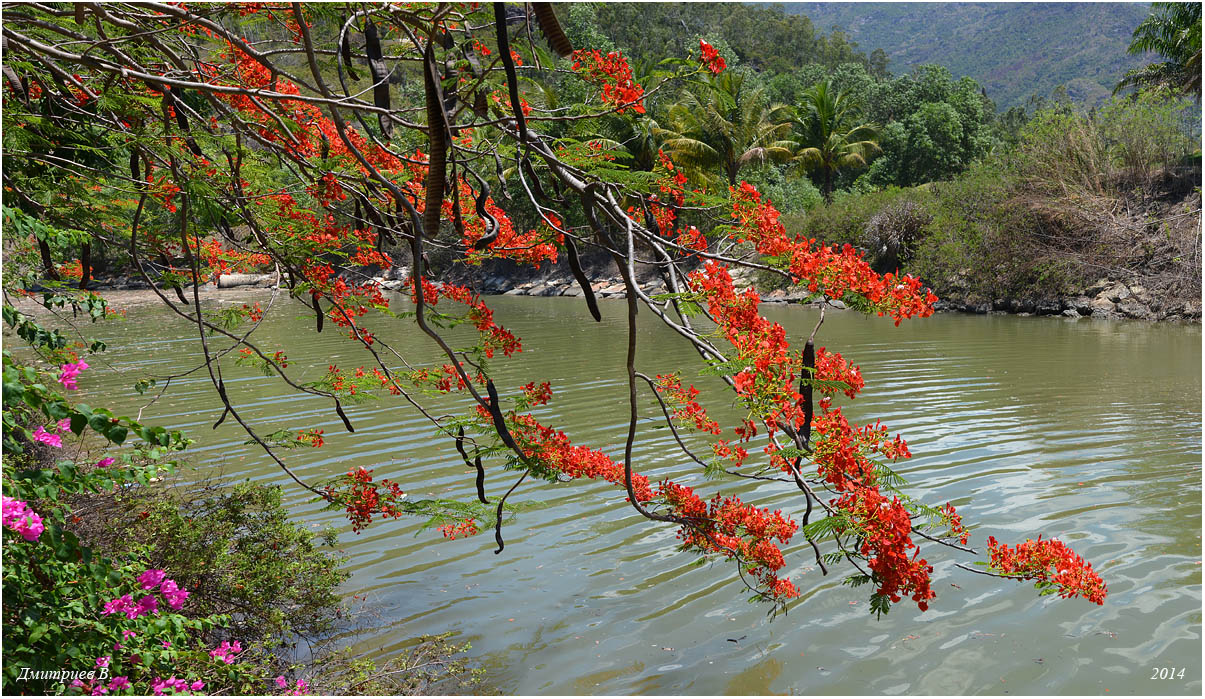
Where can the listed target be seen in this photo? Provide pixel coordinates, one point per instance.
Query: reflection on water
(1085, 430)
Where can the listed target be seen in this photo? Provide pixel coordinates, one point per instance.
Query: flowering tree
(202, 140)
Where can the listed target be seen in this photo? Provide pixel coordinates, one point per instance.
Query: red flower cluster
(831, 366)
(311, 437)
(614, 74)
(686, 409)
(1050, 562)
(537, 395)
(467, 527)
(364, 499)
(711, 58)
(768, 383)
(727, 526)
(494, 337)
(823, 268)
(532, 247)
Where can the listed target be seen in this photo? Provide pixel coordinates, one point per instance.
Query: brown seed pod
(552, 29)
(380, 76)
(576, 266)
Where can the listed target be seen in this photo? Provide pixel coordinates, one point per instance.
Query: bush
(892, 234)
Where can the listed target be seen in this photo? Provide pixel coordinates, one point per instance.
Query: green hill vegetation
(1014, 50)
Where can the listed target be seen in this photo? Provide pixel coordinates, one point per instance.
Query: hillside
(1014, 50)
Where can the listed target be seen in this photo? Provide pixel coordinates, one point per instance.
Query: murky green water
(1085, 430)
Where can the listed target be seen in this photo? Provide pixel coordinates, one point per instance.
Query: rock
(228, 281)
(941, 305)
(1101, 305)
(1000, 304)
(1081, 304)
(1138, 291)
(1049, 308)
(1099, 286)
(977, 308)
(514, 292)
(1071, 313)
(1116, 293)
(573, 291)
(1131, 308)
(837, 304)
(1022, 306)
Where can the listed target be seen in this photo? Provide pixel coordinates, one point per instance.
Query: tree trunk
(85, 259)
(47, 263)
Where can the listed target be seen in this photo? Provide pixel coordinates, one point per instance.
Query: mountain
(1015, 50)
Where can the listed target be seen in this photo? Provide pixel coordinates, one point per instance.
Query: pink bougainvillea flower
(63, 425)
(167, 644)
(105, 462)
(174, 594)
(226, 651)
(281, 682)
(120, 604)
(41, 435)
(151, 578)
(197, 686)
(18, 517)
(127, 633)
(147, 605)
(102, 661)
(69, 372)
(119, 682)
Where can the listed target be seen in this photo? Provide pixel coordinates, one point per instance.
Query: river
(1089, 431)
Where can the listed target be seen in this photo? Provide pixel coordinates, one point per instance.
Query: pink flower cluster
(18, 517)
(178, 685)
(133, 610)
(298, 689)
(226, 651)
(69, 372)
(54, 438)
(149, 580)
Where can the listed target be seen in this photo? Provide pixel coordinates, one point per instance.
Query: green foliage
(240, 554)
(1173, 31)
(829, 138)
(726, 125)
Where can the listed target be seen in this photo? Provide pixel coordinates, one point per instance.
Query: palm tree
(827, 142)
(1173, 32)
(725, 126)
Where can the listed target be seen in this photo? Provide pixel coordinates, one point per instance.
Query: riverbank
(1105, 298)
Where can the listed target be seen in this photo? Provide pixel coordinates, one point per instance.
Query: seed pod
(343, 417)
(805, 388)
(480, 481)
(225, 401)
(499, 421)
(438, 146)
(473, 464)
(576, 266)
(345, 49)
(552, 29)
(317, 312)
(380, 76)
(134, 166)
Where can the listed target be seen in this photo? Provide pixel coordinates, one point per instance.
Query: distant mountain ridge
(1014, 50)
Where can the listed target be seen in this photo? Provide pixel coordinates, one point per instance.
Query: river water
(1089, 431)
